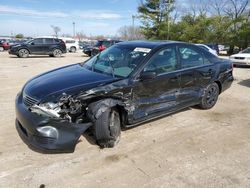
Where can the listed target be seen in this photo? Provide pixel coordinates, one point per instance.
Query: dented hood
(70, 79)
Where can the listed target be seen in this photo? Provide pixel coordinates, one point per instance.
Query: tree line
(203, 21)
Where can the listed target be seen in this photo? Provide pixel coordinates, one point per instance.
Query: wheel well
(24, 48)
(219, 84)
(123, 114)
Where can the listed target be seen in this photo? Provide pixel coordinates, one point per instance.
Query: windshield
(246, 51)
(118, 61)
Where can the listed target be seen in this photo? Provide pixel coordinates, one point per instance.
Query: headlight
(48, 131)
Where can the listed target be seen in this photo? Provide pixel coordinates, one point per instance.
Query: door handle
(209, 73)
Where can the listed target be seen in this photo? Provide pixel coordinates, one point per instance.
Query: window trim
(196, 50)
(155, 53)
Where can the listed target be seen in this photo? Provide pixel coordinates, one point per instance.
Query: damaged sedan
(123, 86)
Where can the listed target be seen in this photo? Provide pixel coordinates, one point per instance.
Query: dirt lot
(192, 148)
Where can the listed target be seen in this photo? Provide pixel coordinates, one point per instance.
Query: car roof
(148, 44)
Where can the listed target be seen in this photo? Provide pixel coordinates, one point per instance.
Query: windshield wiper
(93, 64)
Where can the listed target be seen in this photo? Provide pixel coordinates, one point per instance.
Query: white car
(72, 45)
(205, 47)
(242, 58)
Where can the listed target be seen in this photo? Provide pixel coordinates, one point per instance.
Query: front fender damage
(96, 109)
(71, 116)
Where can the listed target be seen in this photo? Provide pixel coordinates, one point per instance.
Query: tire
(210, 97)
(23, 53)
(107, 129)
(72, 49)
(57, 53)
(51, 55)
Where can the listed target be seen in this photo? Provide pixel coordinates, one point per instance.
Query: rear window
(70, 41)
(49, 41)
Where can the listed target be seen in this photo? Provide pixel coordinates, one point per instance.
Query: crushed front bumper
(47, 135)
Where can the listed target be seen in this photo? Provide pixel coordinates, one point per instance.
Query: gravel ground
(192, 148)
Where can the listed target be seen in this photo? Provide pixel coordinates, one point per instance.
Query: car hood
(70, 79)
(241, 55)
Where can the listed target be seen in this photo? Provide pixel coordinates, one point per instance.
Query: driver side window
(38, 41)
(163, 62)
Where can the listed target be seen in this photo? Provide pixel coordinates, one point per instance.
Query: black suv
(40, 46)
(127, 84)
(99, 46)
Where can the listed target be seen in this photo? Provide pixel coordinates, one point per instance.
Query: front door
(157, 95)
(37, 46)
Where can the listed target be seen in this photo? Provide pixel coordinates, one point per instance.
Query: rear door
(36, 46)
(48, 45)
(157, 95)
(196, 73)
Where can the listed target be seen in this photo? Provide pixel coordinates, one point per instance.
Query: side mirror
(32, 43)
(147, 75)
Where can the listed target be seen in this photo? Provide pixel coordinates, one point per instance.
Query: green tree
(19, 36)
(155, 18)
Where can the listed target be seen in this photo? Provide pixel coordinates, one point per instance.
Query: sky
(91, 17)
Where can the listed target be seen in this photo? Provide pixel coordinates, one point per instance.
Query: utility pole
(168, 19)
(74, 29)
(133, 26)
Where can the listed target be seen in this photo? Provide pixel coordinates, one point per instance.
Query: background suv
(39, 46)
(72, 45)
(102, 45)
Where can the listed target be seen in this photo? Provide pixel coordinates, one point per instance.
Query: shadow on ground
(245, 83)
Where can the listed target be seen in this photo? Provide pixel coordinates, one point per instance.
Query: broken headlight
(67, 108)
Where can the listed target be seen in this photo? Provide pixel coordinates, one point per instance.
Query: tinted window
(246, 50)
(107, 43)
(49, 41)
(70, 41)
(190, 57)
(163, 62)
(118, 61)
(38, 41)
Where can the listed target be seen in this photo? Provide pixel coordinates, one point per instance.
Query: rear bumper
(46, 135)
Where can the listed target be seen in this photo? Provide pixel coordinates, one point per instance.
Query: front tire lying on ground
(210, 96)
(107, 128)
(23, 53)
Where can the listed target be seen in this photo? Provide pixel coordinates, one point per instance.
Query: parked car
(39, 46)
(205, 47)
(242, 58)
(102, 45)
(72, 45)
(127, 84)
(88, 49)
(4, 46)
(214, 47)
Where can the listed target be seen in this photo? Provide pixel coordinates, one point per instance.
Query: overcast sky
(93, 17)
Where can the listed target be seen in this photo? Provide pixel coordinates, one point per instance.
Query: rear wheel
(57, 53)
(210, 97)
(73, 49)
(107, 128)
(23, 53)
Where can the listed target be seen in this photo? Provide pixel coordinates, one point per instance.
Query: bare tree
(218, 6)
(80, 35)
(235, 8)
(56, 30)
(130, 33)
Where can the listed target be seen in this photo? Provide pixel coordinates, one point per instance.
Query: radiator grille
(29, 101)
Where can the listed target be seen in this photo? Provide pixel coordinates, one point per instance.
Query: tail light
(102, 47)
